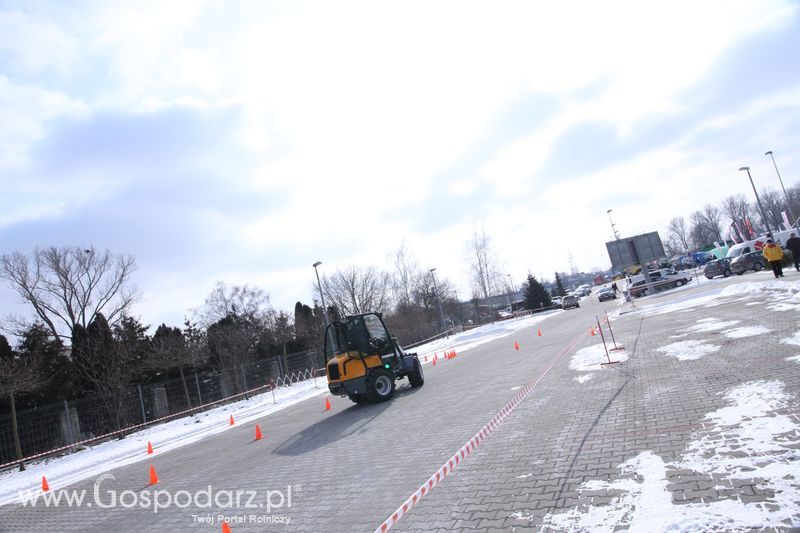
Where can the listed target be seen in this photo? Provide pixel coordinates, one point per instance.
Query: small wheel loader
(364, 360)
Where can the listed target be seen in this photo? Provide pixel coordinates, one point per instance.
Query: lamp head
(432, 270)
(318, 263)
(768, 153)
(744, 168)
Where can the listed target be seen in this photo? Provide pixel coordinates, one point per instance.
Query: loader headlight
(387, 365)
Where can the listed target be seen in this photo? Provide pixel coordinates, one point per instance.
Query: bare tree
(20, 373)
(241, 301)
(355, 290)
(482, 263)
(773, 203)
(701, 233)
(736, 208)
(679, 232)
(713, 216)
(406, 271)
(70, 286)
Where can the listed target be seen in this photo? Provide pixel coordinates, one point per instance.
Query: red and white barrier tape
(472, 443)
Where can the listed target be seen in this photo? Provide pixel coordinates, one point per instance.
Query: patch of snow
(782, 306)
(94, 460)
(749, 440)
(712, 326)
(794, 339)
(747, 331)
(795, 358)
(523, 476)
(591, 358)
(516, 388)
(688, 350)
(521, 516)
(584, 378)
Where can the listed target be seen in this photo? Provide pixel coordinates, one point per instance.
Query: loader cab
(365, 333)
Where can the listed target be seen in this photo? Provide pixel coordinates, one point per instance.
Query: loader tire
(380, 385)
(416, 378)
(358, 398)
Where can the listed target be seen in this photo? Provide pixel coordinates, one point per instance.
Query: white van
(758, 243)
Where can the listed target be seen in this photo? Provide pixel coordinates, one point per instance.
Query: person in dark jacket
(793, 244)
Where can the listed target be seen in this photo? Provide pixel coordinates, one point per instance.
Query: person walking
(774, 254)
(793, 244)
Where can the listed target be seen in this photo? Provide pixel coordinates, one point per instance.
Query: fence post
(197, 385)
(141, 404)
(70, 436)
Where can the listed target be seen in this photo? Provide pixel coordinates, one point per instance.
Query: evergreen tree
(559, 286)
(535, 294)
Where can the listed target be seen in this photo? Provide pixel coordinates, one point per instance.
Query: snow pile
(584, 378)
(750, 441)
(759, 288)
(591, 357)
(688, 350)
(94, 460)
(747, 331)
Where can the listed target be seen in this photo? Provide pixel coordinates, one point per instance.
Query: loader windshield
(361, 333)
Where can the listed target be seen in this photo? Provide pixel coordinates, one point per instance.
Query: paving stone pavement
(568, 433)
(350, 469)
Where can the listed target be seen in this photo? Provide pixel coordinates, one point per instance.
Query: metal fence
(50, 427)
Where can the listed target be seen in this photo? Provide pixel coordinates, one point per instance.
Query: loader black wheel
(380, 385)
(358, 398)
(415, 377)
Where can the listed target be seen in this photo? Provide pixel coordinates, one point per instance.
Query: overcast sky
(243, 141)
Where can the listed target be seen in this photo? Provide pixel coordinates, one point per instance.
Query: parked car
(570, 300)
(665, 278)
(718, 267)
(669, 278)
(747, 259)
(584, 289)
(556, 300)
(606, 293)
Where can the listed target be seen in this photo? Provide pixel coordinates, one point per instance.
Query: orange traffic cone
(153, 475)
(258, 432)
(592, 332)
(434, 361)
(539, 332)
(226, 528)
(516, 345)
(327, 404)
(149, 448)
(45, 486)
(231, 422)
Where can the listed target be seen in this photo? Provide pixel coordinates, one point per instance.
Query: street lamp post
(438, 301)
(758, 200)
(322, 296)
(788, 203)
